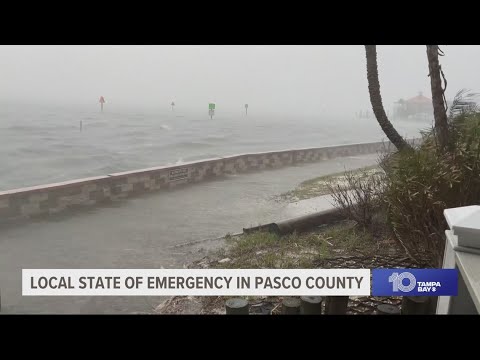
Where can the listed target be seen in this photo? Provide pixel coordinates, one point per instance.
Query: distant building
(418, 105)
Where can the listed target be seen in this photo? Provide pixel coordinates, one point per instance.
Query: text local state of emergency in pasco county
(196, 281)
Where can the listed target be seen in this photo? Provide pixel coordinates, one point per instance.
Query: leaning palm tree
(438, 95)
(376, 100)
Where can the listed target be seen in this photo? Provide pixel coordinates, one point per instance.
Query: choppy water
(44, 144)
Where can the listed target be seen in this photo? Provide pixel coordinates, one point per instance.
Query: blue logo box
(415, 282)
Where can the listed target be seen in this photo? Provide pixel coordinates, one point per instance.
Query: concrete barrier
(53, 198)
(299, 224)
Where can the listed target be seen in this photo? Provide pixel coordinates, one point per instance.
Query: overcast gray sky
(272, 79)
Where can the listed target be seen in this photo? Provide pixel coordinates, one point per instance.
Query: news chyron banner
(195, 282)
(239, 282)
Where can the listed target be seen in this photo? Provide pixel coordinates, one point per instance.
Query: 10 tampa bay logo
(415, 282)
(406, 282)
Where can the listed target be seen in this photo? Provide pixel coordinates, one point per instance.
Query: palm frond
(463, 102)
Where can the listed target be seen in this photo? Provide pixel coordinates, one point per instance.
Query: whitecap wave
(178, 162)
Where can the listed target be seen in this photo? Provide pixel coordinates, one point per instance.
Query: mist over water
(43, 144)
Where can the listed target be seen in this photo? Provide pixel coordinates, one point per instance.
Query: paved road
(141, 232)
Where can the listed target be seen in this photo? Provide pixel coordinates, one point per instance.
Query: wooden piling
(336, 305)
(416, 305)
(386, 309)
(291, 306)
(237, 306)
(311, 305)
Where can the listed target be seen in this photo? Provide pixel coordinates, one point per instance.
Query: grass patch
(266, 250)
(351, 238)
(320, 185)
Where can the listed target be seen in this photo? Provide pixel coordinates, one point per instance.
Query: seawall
(44, 200)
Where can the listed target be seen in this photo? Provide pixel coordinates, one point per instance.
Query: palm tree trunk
(376, 100)
(439, 111)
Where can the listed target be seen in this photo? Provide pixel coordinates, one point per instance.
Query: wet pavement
(142, 232)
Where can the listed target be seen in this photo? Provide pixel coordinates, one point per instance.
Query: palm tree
(438, 95)
(376, 100)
